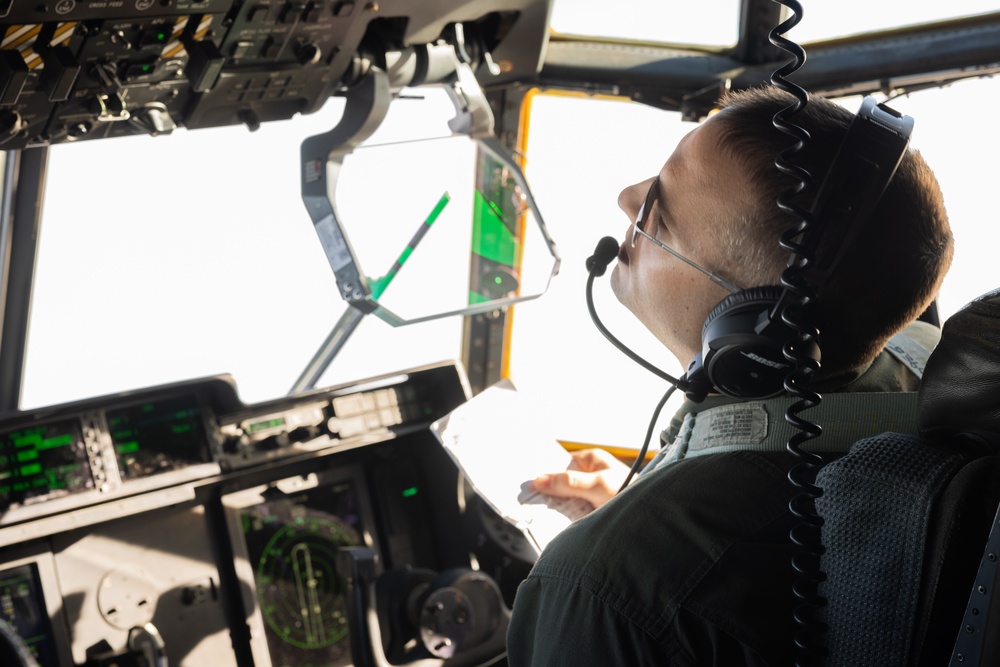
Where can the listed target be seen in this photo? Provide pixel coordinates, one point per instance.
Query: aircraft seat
(906, 519)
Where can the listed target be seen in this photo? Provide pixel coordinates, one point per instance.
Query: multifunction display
(292, 542)
(44, 461)
(158, 436)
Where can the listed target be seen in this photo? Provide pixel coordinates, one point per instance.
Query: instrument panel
(73, 70)
(80, 456)
(177, 525)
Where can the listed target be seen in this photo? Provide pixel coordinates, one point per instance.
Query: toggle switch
(13, 75)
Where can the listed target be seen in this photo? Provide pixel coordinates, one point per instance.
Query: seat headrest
(960, 390)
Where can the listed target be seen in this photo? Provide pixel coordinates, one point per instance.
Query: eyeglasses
(640, 222)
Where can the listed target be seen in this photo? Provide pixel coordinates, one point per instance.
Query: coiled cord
(798, 297)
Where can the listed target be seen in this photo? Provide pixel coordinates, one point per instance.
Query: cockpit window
(828, 20)
(701, 24)
(163, 259)
(649, 21)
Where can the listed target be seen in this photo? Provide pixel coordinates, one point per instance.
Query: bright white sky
(697, 23)
(192, 254)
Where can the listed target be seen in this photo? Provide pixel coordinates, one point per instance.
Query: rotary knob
(308, 53)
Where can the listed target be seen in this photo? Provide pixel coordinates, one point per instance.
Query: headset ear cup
(766, 296)
(742, 353)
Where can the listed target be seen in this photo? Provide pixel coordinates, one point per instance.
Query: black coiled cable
(796, 313)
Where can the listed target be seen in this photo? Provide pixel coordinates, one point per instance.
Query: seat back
(875, 499)
(966, 512)
(906, 519)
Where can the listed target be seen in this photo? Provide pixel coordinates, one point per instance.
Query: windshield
(175, 257)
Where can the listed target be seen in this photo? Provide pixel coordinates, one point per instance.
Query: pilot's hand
(593, 475)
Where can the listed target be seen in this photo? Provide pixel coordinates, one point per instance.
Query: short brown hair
(894, 268)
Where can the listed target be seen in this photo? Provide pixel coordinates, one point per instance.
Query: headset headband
(744, 336)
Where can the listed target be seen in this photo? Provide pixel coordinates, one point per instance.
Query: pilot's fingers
(597, 487)
(594, 459)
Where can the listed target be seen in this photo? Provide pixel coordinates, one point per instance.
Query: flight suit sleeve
(557, 622)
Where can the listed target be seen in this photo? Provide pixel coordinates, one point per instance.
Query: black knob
(276, 441)
(10, 124)
(234, 444)
(308, 53)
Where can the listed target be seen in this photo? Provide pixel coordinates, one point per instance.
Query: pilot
(691, 563)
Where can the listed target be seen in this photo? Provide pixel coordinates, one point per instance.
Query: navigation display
(41, 462)
(158, 436)
(292, 543)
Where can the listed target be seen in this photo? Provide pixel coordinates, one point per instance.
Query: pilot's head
(714, 202)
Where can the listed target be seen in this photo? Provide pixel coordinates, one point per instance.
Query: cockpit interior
(251, 251)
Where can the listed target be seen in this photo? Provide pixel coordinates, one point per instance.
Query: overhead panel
(83, 69)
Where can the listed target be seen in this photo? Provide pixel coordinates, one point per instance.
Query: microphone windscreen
(606, 250)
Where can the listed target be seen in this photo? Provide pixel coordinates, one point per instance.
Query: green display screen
(43, 461)
(158, 436)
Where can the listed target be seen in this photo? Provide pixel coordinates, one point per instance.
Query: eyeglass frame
(642, 216)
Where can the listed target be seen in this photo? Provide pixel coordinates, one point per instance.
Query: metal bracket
(322, 158)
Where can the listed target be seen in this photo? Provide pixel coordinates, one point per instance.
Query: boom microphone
(607, 250)
(597, 264)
